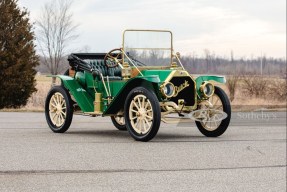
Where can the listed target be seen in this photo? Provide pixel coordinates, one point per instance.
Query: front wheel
(142, 114)
(58, 109)
(218, 101)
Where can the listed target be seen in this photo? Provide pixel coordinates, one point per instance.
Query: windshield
(148, 47)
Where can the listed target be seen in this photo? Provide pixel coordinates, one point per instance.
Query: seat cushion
(113, 73)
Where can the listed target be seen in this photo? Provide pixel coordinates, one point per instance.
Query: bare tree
(207, 59)
(233, 78)
(255, 85)
(56, 30)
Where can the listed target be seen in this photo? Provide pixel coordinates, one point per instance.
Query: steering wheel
(113, 58)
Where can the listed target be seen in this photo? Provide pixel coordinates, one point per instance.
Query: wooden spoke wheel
(119, 122)
(142, 114)
(213, 108)
(58, 109)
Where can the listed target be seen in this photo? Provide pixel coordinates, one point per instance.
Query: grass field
(241, 102)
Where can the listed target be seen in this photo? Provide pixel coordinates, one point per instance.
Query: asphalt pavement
(94, 156)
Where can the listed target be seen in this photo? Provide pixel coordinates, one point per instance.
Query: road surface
(93, 156)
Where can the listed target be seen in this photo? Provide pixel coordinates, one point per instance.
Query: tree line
(214, 64)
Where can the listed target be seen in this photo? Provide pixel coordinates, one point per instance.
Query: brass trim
(176, 120)
(123, 52)
(172, 107)
(162, 89)
(173, 65)
(201, 89)
(138, 48)
(97, 103)
(177, 55)
(126, 71)
(178, 89)
(183, 73)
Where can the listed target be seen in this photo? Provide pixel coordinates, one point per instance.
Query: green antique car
(138, 86)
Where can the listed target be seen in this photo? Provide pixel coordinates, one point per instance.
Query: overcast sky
(248, 27)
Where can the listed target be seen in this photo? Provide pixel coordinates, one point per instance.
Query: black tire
(65, 121)
(153, 111)
(118, 125)
(224, 123)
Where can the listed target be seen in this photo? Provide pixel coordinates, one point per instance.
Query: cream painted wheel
(219, 103)
(212, 124)
(142, 114)
(58, 109)
(119, 122)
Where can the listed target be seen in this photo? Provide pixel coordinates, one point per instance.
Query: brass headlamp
(167, 89)
(207, 89)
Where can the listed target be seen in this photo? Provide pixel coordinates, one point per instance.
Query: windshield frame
(149, 30)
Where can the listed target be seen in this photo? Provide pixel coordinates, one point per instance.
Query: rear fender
(83, 98)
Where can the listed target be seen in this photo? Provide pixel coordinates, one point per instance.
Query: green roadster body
(138, 85)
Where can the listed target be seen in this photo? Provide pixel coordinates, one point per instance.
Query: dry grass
(266, 92)
(278, 89)
(37, 101)
(231, 84)
(254, 85)
(273, 97)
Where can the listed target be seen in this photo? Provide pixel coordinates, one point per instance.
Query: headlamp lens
(208, 89)
(168, 89)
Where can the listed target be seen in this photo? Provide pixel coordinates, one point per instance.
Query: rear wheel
(142, 114)
(119, 122)
(58, 109)
(217, 102)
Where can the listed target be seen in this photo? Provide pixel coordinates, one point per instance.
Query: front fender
(199, 80)
(149, 82)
